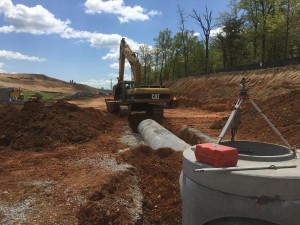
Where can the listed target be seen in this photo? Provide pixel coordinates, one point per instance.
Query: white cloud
(98, 83)
(106, 83)
(114, 76)
(127, 76)
(215, 32)
(113, 54)
(125, 13)
(95, 39)
(116, 65)
(39, 21)
(7, 29)
(197, 34)
(19, 56)
(6, 5)
(35, 20)
(154, 13)
(2, 66)
(99, 40)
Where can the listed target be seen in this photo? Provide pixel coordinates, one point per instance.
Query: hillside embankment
(263, 84)
(40, 82)
(276, 91)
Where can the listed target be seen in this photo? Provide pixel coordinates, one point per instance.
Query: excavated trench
(145, 193)
(187, 133)
(136, 118)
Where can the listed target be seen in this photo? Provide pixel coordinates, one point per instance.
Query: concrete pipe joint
(156, 136)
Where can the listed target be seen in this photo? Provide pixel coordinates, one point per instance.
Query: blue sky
(79, 39)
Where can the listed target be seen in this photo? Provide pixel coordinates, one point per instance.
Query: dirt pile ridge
(159, 172)
(283, 111)
(117, 203)
(39, 127)
(262, 83)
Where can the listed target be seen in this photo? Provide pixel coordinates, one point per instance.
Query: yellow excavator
(16, 94)
(132, 95)
(35, 97)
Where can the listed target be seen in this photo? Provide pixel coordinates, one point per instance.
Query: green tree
(206, 26)
(188, 58)
(220, 43)
(146, 58)
(183, 38)
(232, 28)
(196, 51)
(252, 31)
(251, 18)
(289, 10)
(164, 44)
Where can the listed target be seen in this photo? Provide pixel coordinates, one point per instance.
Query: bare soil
(38, 126)
(72, 163)
(40, 82)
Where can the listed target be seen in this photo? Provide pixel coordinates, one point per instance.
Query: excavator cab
(129, 85)
(122, 90)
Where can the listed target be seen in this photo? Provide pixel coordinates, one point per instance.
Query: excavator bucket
(112, 106)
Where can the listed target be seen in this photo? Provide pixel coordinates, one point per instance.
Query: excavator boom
(127, 53)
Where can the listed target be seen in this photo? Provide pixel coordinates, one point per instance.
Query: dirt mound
(283, 111)
(212, 104)
(263, 84)
(40, 82)
(39, 127)
(159, 171)
(114, 204)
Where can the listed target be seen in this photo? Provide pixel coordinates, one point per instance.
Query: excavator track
(155, 111)
(124, 110)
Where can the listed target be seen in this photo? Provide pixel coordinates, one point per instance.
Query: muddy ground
(72, 163)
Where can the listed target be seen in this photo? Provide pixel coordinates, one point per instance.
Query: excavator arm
(127, 53)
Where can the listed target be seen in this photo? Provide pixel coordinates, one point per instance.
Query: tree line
(251, 32)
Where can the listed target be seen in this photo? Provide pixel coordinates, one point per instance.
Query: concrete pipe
(157, 136)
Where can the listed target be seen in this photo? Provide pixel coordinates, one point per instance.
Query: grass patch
(46, 95)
